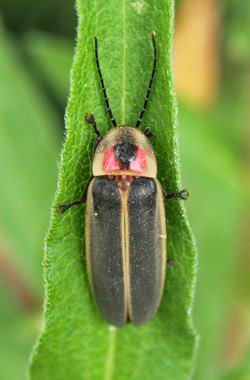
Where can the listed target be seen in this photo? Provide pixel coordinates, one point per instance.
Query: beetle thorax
(125, 156)
(126, 151)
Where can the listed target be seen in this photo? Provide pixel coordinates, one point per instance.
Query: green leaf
(76, 342)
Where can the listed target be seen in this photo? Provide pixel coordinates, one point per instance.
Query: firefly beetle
(125, 220)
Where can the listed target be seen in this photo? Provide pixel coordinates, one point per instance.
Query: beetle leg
(97, 140)
(183, 194)
(148, 133)
(171, 264)
(61, 209)
(91, 120)
(166, 220)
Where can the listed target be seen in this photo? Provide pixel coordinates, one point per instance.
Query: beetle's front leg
(61, 209)
(183, 194)
(91, 120)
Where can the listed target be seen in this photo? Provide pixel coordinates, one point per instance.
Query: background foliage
(36, 55)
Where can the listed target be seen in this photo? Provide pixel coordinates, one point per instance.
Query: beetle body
(125, 228)
(125, 221)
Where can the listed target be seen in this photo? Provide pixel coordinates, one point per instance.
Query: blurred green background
(212, 79)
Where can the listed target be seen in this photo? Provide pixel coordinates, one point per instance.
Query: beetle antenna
(103, 86)
(150, 84)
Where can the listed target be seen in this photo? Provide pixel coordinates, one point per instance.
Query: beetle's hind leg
(61, 209)
(171, 263)
(183, 194)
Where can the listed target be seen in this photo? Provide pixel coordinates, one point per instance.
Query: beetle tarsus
(61, 209)
(148, 133)
(91, 120)
(183, 194)
(171, 263)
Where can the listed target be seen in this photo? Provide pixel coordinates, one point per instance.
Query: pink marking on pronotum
(109, 163)
(139, 165)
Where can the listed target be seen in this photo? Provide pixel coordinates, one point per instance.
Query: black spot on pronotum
(125, 153)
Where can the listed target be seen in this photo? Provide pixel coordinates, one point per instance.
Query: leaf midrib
(112, 338)
(108, 373)
(124, 64)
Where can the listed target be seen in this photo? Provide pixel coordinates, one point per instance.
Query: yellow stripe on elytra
(125, 247)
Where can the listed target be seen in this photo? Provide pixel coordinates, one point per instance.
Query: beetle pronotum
(125, 220)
